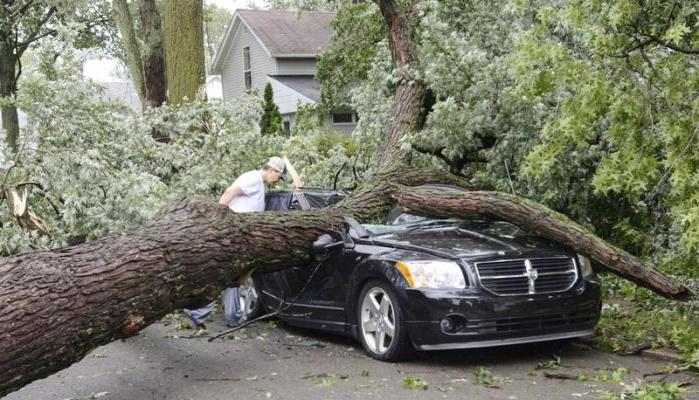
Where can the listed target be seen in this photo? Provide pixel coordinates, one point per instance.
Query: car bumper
(487, 320)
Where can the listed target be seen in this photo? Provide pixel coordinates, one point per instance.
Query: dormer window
(247, 70)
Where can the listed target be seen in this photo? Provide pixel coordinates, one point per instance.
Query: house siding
(232, 77)
(296, 66)
(287, 99)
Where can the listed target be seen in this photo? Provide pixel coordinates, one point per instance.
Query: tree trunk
(55, 306)
(8, 89)
(184, 49)
(407, 105)
(154, 60)
(124, 22)
(58, 305)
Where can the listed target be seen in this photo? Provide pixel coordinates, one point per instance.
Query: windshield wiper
(430, 224)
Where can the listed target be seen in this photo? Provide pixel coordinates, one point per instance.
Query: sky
(106, 69)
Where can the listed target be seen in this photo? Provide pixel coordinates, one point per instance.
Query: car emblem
(531, 274)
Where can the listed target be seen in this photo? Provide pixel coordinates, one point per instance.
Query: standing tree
(184, 48)
(271, 122)
(154, 53)
(22, 24)
(146, 63)
(58, 305)
(122, 17)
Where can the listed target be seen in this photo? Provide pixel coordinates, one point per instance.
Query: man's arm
(232, 192)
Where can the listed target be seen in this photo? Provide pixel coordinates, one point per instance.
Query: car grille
(546, 321)
(528, 276)
(577, 318)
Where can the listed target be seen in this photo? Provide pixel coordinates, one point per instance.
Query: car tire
(250, 301)
(381, 323)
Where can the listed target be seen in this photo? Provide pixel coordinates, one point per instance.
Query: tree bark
(154, 60)
(124, 23)
(58, 305)
(407, 106)
(184, 49)
(55, 306)
(8, 89)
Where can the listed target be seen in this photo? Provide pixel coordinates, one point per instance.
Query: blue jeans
(232, 311)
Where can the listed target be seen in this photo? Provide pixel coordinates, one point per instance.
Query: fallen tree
(56, 306)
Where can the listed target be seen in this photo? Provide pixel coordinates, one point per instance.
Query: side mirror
(356, 230)
(325, 244)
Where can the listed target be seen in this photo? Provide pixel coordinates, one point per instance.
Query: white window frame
(247, 72)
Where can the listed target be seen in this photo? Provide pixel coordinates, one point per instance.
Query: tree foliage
(23, 23)
(583, 106)
(303, 5)
(216, 20)
(613, 75)
(271, 121)
(90, 166)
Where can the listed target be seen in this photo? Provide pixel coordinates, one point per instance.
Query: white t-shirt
(253, 197)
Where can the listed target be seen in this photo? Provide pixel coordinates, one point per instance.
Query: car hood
(462, 242)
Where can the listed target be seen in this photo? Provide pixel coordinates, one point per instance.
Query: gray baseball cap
(276, 163)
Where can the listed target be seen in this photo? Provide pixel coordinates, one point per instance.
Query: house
(279, 47)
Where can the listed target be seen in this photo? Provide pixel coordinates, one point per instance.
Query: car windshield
(408, 222)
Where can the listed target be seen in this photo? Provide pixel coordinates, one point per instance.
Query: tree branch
(670, 45)
(36, 35)
(408, 101)
(538, 218)
(22, 9)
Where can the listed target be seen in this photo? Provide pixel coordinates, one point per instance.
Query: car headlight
(432, 274)
(585, 266)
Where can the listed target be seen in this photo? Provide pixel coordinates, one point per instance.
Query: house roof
(288, 33)
(281, 33)
(307, 85)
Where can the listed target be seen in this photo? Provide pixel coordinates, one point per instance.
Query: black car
(431, 284)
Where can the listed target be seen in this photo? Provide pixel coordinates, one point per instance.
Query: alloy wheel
(248, 298)
(378, 320)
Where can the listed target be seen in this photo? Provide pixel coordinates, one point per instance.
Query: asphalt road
(271, 361)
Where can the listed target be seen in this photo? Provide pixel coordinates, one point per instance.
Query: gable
(281, 33)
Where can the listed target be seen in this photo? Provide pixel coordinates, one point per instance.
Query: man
(246, 194)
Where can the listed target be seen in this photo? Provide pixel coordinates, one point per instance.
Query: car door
(319, 287)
